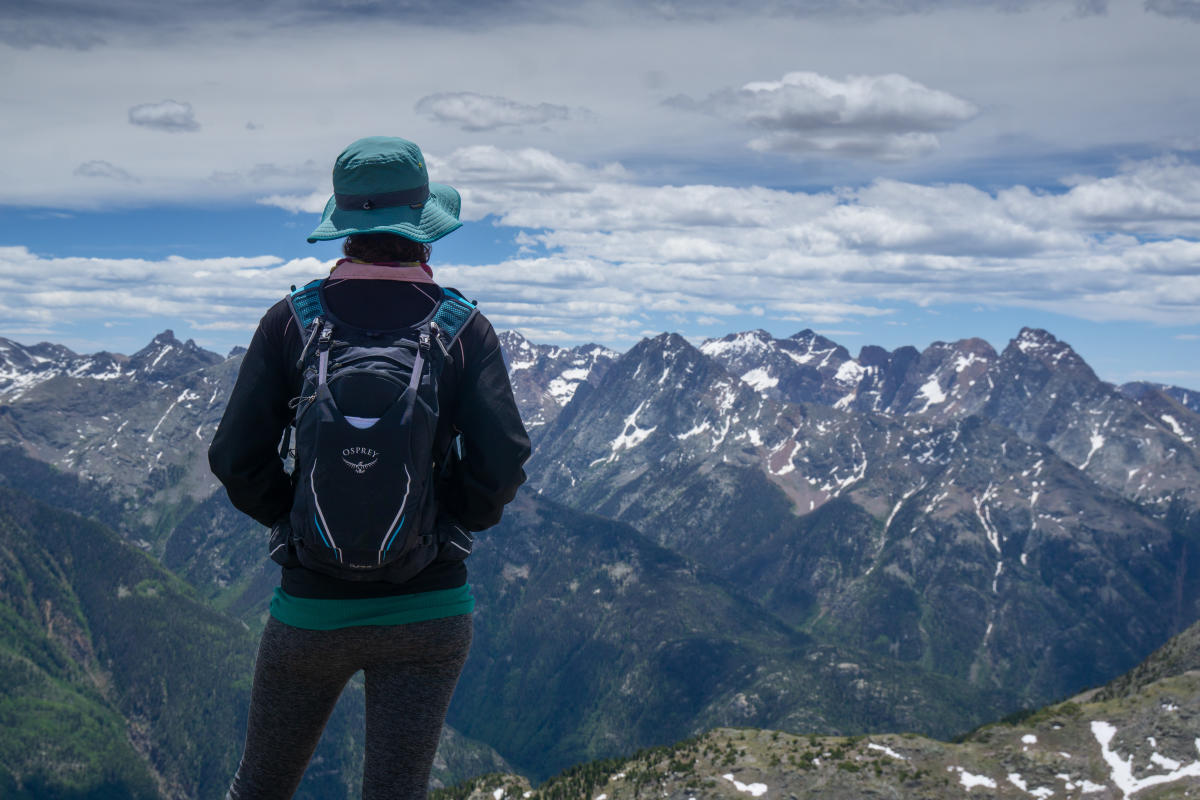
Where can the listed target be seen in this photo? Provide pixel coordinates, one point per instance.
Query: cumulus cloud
(881, 117)
(205, 292)
(104, 169)
(489, 179)
(168, 115)
(605, 253)
(601, 251)
(307, 203)
(475, 112)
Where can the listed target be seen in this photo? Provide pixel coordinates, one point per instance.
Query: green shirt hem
(322, 614)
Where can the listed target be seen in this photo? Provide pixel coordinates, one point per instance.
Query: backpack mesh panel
(452, 314)
(307, 303)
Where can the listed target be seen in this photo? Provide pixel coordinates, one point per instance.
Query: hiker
(406, 438)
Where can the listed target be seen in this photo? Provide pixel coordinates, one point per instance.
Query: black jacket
(474, 394)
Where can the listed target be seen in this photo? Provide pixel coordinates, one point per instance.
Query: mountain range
(752, 531)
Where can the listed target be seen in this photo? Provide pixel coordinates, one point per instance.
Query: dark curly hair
(381, 248)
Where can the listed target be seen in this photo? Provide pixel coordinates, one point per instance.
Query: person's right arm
(244, 454)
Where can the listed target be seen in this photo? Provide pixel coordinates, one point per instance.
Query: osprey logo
(359, 459)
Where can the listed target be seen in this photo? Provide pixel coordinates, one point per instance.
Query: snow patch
(932, 392)
(849, 372)
(760, 379)
(162, 353)
(970, 781)
(886, 751)
(1016, 780)
(962, 362)
(1164, 762)
(1097, 442)
(631, 435)
(1121, 769)
(1176, 427)
(753, 789)
(695, 431)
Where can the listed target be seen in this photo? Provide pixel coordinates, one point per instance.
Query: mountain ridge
(1138, 735)
(935, 529)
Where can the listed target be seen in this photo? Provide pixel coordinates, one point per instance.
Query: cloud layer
(883, 117)
(103, 169)
(168, 115)
(474, 112)
(603, 253)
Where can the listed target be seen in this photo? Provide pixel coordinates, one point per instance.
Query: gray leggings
(410, 672)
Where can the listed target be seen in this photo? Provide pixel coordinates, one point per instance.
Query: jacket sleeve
(244, 454)
(495, 442)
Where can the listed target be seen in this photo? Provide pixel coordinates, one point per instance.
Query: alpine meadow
(856, 342)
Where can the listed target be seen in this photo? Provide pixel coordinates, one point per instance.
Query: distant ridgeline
(1138, 733)
(756, 532)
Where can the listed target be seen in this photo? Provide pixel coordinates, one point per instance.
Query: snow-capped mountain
(138, 423)
(925, 531)
(545, 378)
(1136, 442)
(22, 368)
(1003, 521)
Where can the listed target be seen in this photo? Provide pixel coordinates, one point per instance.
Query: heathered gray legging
(410, 673)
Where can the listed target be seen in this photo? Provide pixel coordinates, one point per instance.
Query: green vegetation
(117, 680)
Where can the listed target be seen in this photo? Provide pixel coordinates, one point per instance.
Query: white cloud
(475, 112)
(309, 203)
(212, 292)
(1050, 84)
(168, 115)
(883, 117)
(616, 249)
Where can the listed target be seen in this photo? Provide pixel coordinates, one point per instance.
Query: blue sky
(883, 172)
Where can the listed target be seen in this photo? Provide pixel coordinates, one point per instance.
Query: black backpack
(364, 428)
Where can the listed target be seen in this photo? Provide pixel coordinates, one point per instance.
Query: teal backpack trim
(306, 303)
(452, 315)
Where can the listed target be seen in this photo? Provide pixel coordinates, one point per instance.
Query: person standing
(391, 601)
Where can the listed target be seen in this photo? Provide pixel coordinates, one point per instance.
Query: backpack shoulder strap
(453, 313)
(305, 304)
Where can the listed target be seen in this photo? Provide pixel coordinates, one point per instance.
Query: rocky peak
(519, 352)
(166, 357)
(1042, 347)
(22, 368)
(733, 345)
(950, 379)
(812, 346)
(545, 378)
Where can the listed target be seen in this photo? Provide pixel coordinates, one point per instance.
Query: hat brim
(437, 217)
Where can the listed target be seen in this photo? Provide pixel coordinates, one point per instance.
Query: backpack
(364, 427)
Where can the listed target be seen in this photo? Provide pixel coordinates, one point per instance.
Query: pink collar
(412, 272)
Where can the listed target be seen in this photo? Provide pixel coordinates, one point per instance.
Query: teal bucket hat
(380, 185)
